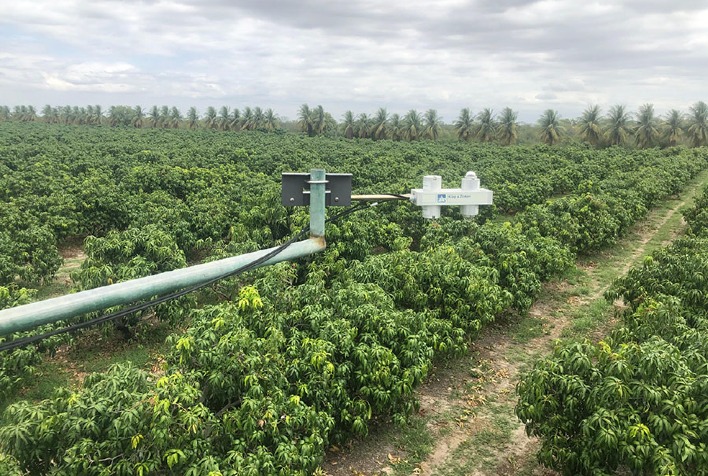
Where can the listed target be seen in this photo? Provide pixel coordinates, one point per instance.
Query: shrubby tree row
(294, 357)
(636, 401)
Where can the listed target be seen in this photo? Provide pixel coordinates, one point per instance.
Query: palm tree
(348, 125)
(50, 114)
(247, 119)
(138, 116)
(192, 118)
(362, 126)
(270, 120)
(210, 120)
(79, 115)
(258, 118)
(305, 120)
(164, 116)
(464, 125)
(56, 116)
(330, 123)
(65, 115)
(590, 125)
(551, 129)
(4, 113)
(97, 118)
(431, 127)
(698, 124)
(673, 127)
(85, 115)
(154, 117)
(647, 130)
(395, 127)
(508, 128)
(113, 116)
(618, 125)
(175, 118)
(235, 123)
(412, 125)
(321, 121)
(224, 118)
(379, 128)
(47, 114)
(24, 113)
(486, 129)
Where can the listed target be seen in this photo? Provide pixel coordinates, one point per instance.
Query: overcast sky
(356, 54)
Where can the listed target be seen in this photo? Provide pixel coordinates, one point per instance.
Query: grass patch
(417, 443)
(61, 284)
(588, 318)
(482, 449)
(98, 349)
(529, 328)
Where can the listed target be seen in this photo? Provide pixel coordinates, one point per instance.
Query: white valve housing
(431, 184)
(432, 196)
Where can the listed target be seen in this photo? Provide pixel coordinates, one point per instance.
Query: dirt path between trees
(467, 407)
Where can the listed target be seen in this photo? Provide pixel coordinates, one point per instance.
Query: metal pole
(318, 181)
(381, 197)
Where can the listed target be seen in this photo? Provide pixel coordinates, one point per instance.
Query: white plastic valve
(469, 196)
(470, 182)
(431, 183)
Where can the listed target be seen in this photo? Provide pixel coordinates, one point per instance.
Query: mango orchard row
(311, 353)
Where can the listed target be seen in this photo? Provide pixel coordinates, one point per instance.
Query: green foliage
(120, 256)
(17, 364)
(601, 408)
(130, 254)
(438, 279)
(27, 249)
(637, 401)
(118, 422)
(697, 216)
(523, 263)
(9, 466)
(288, 359)
(601, 211)
(681, 270)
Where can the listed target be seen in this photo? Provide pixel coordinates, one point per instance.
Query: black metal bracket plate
(296, 190)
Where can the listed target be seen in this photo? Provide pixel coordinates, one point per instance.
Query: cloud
(358, 54)
(104, 77)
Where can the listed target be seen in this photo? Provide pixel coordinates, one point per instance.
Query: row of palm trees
(411, 126)
(618, 127)
(486, 127)
(236, 120)
(157, 117)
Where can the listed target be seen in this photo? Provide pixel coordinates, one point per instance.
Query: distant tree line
(158, 117)
(643, 129)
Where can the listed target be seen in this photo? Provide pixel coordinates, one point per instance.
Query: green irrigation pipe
(29, 316)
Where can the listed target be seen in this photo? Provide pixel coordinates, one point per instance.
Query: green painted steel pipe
(318, 181)
(29, 316)
(26, 317)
